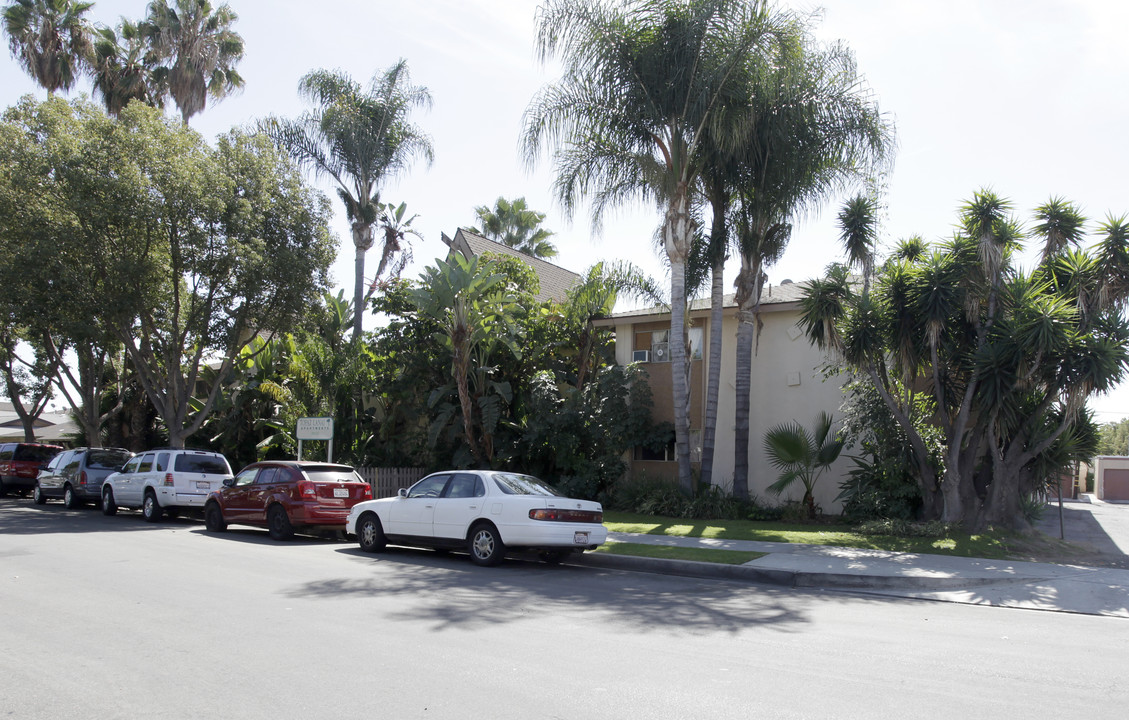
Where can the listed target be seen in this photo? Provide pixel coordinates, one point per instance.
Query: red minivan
(287, 495)
(20, 464)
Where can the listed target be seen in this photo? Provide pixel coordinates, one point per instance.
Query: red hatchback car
(285, 495)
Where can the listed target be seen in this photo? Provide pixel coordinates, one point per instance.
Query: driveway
(1099, 526)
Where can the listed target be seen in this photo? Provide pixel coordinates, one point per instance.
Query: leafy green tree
(1008, 358)
(643, 81)
(515, 225)
(1114, 438)
(197, 51)
(358, 139)
(802, 456)
(468, 300)
(50, 39)
(27, 383)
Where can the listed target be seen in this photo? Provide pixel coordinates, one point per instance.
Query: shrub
(897, 527)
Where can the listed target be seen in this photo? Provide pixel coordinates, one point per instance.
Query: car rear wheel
(485, 545)
(109, 507)
(70, 500)
(370, 534)
(37, 495)
(278, 523)
(213, 518)
(150, 508)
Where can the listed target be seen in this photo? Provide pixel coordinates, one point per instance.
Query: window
(53, 466)
(132, 465)
(205, 464)
(512, 484)
(465, 485)
(71, 463)
(106, 459)
(429, 487)
(270, 475)
(663, 454)
(146, 463)
(330, 473)
(162, 462)
(246, 477)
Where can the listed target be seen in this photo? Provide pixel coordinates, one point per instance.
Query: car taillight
(82, 478)
(366, 494)
(168, 479)
(558, 515)
(307, 489)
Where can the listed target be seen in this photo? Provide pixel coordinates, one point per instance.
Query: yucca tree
(123, 68)
(515, 225)
(359, 138)
(802, 456)
(1005, 359)
(643, 82)
(198, 51)
(51, 39)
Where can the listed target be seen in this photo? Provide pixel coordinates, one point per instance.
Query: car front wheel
(278, 523)
(485, 545)
(213, 518)
(37, 496)
(150, 508)
(370, 534)
(109, 507)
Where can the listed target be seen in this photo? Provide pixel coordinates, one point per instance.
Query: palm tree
(50, 39)
(643, 81)
(124, 71)
(514, 225)
(395, 227)
(359, 139)
(815, 129)
(802, 456)
(198, 51)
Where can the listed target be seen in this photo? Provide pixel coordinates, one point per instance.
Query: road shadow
(23, 517)
(453, 593)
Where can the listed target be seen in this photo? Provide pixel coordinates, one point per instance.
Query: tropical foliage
(515, 225)
(802, 456)
(1002, 358)
(51, 39)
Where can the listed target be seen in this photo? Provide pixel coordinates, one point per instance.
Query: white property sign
(315, 428)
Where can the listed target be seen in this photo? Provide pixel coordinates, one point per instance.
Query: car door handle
(429, 506)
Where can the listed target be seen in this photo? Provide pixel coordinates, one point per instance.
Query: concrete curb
(786, 578)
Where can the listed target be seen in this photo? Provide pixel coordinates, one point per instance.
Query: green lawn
(989, 545)
(667, 552)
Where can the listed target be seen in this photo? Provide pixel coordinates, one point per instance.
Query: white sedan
(482, 511)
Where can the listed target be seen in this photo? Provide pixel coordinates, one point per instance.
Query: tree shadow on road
(453, 593)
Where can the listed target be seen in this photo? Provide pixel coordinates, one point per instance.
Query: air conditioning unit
(641, 356)
(661, 352)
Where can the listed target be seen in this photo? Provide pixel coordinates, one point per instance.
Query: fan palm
(50, 39)
(515, 225)
(643, 81)
(358, 139)
(802, 456)
(123, 70)
(198, 51)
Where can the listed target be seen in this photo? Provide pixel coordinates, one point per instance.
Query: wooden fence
(386, 482)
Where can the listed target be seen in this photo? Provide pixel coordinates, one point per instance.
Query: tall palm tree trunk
(713, 382)
(678, 232)
(362, 241)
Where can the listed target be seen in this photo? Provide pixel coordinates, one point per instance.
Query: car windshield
(35, 453)
(331, 474)
(512, 484)
(207, 464)
(106, 459)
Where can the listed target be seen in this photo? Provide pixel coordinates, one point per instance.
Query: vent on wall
(641, 356)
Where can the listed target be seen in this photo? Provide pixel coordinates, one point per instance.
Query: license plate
(203, 485)
(341, 492)
(580, 538)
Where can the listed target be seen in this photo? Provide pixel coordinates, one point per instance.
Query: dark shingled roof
(555, 280)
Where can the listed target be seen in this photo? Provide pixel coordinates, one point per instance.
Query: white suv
(165, 481)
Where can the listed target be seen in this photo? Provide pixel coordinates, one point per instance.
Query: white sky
(1028, 97)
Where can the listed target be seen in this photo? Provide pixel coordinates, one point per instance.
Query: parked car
(484, 512)
(76, 475)
(20, 464)
(165, 481)
(284, 496)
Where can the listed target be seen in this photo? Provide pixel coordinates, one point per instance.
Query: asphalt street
(116, 618)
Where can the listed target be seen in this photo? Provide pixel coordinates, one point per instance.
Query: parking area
(1102, 526)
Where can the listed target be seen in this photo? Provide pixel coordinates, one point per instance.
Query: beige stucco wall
(787, 384)
(1111, 478)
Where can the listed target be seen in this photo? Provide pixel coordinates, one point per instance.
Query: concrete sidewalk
(1003, 583)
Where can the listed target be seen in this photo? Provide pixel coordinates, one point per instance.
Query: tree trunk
(678, 233)
(713, 382)
(746, 328)
(362, 241)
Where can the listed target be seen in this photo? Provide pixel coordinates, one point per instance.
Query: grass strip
(962, 544)
(670, 552)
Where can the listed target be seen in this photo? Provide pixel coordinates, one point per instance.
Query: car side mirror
(228, 482)
(402, 492)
